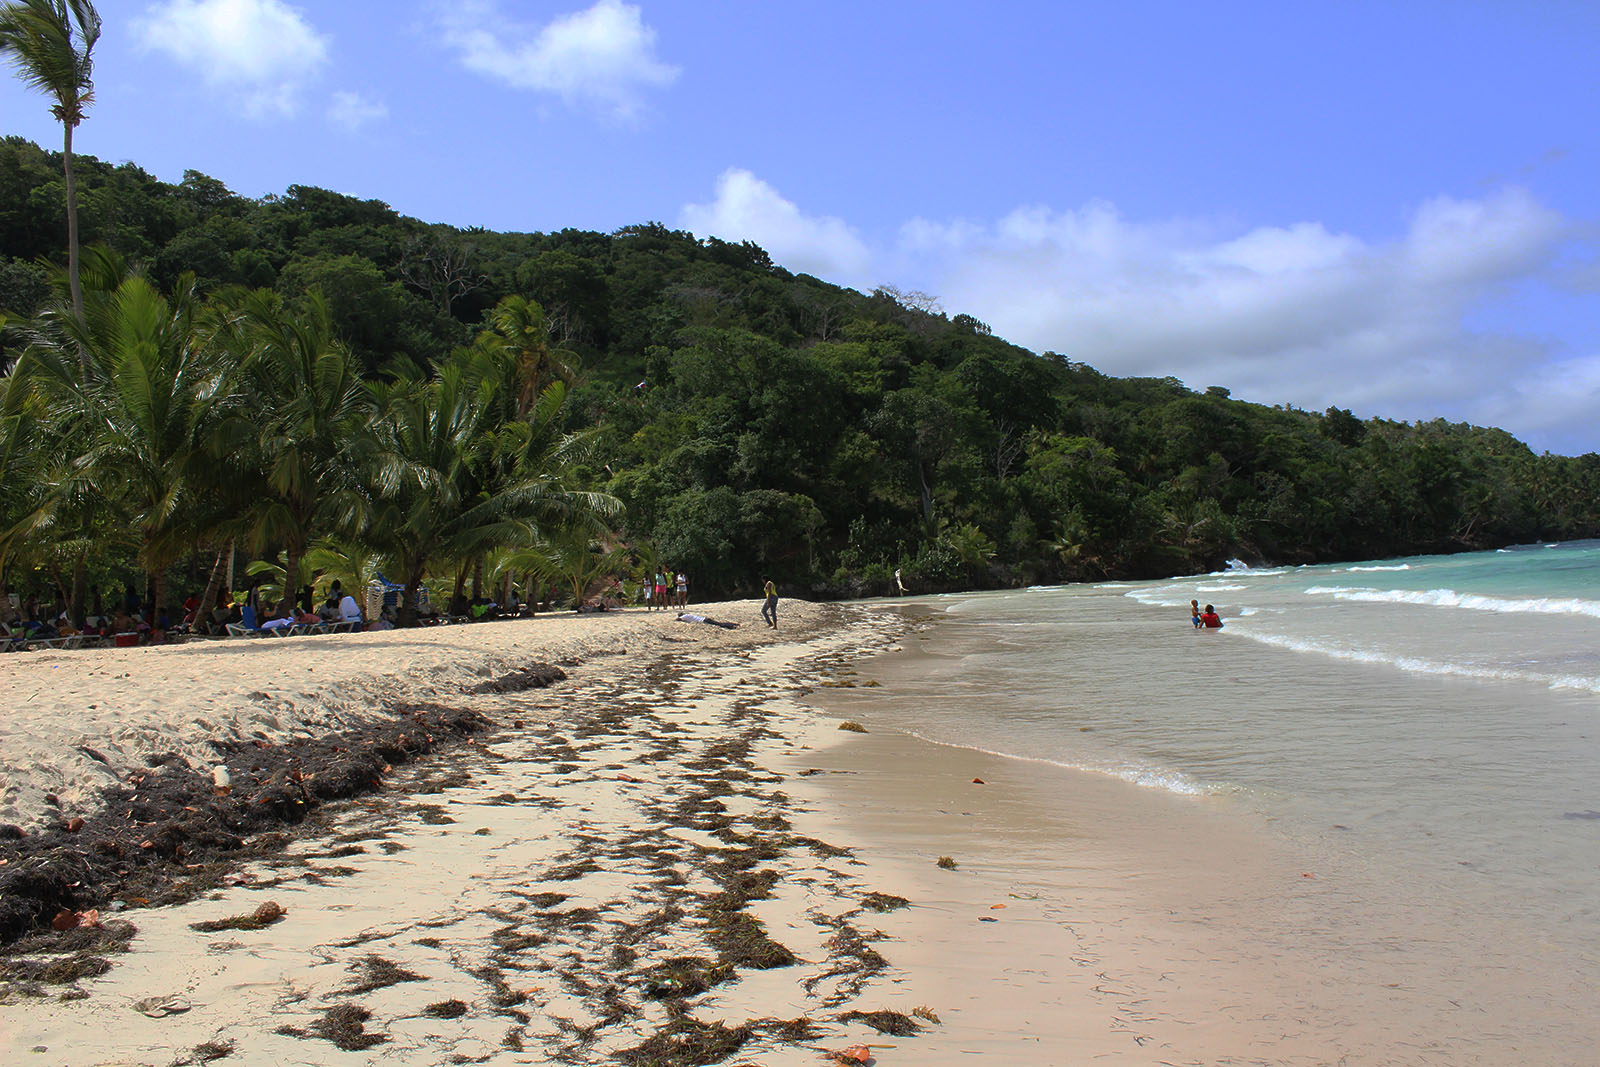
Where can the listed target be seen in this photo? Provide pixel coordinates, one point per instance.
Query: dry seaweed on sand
(883, 902)
(165, 836)
(853, 727)
(893, 1023)
(344, 1026)
(946, 863)
(205, 1053)
(687, 1043)
(375, 972)
(446, 1009)
(263, 917)
(684, 976)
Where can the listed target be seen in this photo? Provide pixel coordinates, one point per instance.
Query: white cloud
(352, 110)
(602, 58)
(262, 52)
(748, 209)
(1293, 314)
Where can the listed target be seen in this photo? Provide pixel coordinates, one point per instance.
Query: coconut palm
(51, 42)
(140, 419)
(573, 555)
(450, 481)
(519, 340)
(310, 408)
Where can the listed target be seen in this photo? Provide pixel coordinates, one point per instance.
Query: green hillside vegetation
(314, 376)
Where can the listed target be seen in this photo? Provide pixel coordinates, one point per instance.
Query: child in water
(1194, 613)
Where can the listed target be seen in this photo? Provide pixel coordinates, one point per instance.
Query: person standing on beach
(661, 589)
(683, 590)
(769, 610)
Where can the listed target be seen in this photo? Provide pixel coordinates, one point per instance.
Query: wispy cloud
(1279, 314)
(260, 52)
(352, 110)
(603, 58)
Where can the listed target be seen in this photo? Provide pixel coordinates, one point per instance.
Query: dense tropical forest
(320, 384)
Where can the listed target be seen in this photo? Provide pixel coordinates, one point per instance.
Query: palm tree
(50, 42)
(143, 414)
(450, 481)
(519, 341)
(310, 410)
(573, 555)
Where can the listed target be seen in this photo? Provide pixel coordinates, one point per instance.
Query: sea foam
(1449, 598)
(1423, 665)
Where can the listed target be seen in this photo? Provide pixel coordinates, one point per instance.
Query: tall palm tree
(51, 44)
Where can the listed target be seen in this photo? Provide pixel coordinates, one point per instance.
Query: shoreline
(1182, 928)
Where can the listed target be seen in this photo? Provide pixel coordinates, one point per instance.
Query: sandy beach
(674, 855)
(608, 872)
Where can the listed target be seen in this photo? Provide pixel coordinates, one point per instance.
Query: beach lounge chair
(75, 641)
(247, 625)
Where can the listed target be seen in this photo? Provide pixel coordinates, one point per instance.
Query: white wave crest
(1248, 573)
(1449, 598)
(1150, 777)
(1397, 567)
(1421, 665)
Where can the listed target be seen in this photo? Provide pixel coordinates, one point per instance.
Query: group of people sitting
(28, 620)
(302, 610)
(1204, 620)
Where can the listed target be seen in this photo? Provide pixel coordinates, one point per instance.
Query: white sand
(579, 802)
(129, 704)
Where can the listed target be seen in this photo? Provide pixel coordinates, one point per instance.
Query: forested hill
(761, 423)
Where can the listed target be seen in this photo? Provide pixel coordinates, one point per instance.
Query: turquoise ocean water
(1430, 724)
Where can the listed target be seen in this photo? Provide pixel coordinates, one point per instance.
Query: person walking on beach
(769, 610)
(898, 584)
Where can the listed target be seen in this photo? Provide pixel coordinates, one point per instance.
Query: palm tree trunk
(208, 599)
(157, 591)
(408, 601)
(73, 283)
(291, 577)
(80, 589)
(477, 577)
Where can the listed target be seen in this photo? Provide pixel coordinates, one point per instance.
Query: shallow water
(1427, 728)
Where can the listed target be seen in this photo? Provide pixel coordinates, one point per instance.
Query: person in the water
(1194, 613)
(1209, 618)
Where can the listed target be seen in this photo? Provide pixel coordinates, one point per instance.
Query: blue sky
(1390, 207)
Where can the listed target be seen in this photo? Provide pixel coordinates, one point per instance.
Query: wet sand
(1139, 926)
